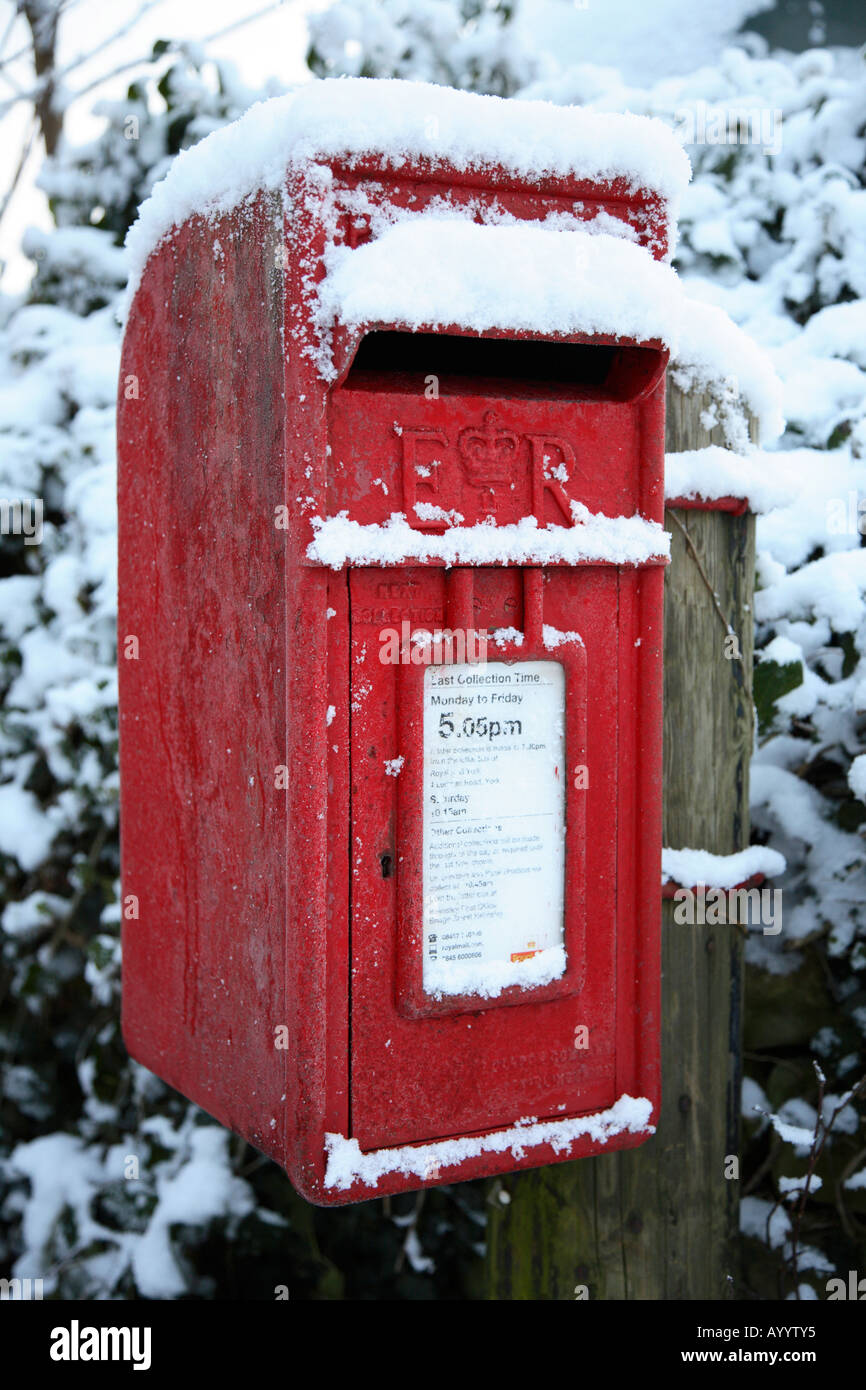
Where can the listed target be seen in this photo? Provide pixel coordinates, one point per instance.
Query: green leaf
(771, 681)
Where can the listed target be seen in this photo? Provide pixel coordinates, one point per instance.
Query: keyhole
(387, 865)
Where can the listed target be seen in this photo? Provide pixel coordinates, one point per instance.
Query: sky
(270, 46)
(645, 41)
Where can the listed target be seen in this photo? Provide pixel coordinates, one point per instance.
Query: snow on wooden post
(660, 1222)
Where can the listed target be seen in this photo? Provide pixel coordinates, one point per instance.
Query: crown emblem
(488, 451)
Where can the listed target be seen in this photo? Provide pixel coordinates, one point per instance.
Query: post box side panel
(416, 1079)
(317, 816)
(318, 690)
(202, 708)
(641, 608)
(641, 601)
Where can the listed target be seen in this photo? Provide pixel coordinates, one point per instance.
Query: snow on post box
(391, 564)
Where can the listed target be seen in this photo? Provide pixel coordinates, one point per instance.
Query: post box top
(374, 124)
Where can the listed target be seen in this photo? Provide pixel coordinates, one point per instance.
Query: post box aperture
(391, 752)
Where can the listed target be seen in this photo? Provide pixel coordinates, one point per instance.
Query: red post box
(391, 451)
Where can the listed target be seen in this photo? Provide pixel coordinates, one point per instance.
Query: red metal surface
(737, 506)
(670, 889)
(271, 972)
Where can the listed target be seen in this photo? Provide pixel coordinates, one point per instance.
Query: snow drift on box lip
(435, 272)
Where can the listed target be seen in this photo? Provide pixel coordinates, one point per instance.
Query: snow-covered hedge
(113, 1185)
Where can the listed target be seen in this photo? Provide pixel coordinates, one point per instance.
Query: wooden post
(660, 1221)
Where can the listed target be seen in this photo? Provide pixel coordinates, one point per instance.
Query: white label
(494, 826)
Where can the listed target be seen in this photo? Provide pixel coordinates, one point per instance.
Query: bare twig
(13, 19)
(41, 93)
(822, 1131)
(247, 19)
(817, 1145)
(763, 1168)
(410, 1225)
(174, 46)
(729, 631)
(19, 168)
(63, 7)
(111, 39)
(61, 931)
(841, 1207)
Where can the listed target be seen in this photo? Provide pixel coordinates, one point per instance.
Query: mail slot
(390, 676)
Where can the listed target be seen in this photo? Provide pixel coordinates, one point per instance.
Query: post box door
(471, 1064)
